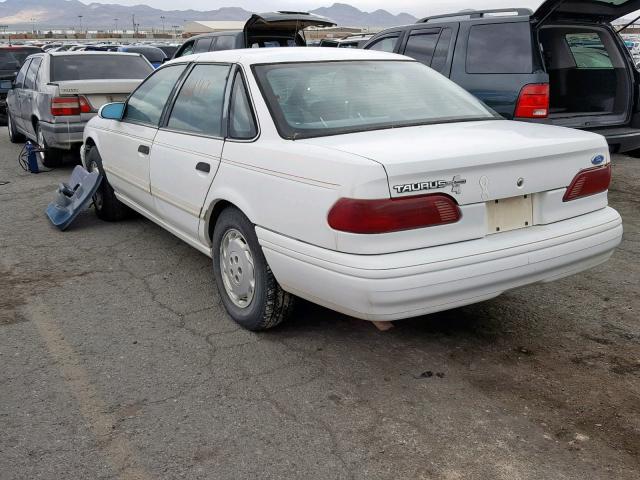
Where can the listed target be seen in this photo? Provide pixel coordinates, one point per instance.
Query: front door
(187, 149)
(126, 156)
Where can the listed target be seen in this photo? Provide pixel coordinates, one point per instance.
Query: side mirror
(112, 111)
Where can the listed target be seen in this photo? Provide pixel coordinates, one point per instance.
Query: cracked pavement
(118, 362)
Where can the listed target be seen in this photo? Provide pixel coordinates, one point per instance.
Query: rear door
(28, 97)
(591, 10)
(494, 60)
(187, 149)
(127, 143)
(432, 46)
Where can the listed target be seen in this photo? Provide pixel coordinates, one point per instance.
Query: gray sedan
(56, 94)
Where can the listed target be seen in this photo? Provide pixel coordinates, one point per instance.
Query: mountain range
(58, 14)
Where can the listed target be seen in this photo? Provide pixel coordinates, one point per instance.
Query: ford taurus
(362, 181)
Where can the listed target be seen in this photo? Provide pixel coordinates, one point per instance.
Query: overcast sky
(415, 7)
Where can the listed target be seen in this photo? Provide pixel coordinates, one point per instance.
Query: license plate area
(509, 214)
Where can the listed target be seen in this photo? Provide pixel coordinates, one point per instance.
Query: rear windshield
(14, 58)
(329, 98)
(96, 67)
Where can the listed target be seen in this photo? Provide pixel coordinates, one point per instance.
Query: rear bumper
(62, 135)
(620, 140)
(408, 284)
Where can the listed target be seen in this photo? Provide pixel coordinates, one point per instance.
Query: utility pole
(33, 25)
(133, 21)
(175, 31)
(116, 21)
(162, 18)
(80, 18)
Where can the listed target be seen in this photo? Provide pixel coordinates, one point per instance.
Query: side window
(30, 79)
(203, 45)
(187, 49)
(421, 47)
(198, 107)
(225, 42)
(386, 44)
(439, 61)
(500, 48)
(22, 74)
(146, 104)
(588, 51)
(242, 123)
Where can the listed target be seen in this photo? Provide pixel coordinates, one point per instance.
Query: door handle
(143, 149)
(203, 167)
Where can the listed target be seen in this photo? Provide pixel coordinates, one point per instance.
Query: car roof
(91, 52)
(251, 56)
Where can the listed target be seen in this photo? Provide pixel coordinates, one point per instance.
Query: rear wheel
(49, 157)
(107, 206)
(249, 290)
(14, 136)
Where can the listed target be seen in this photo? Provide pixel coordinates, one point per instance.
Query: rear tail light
(393, 214)
(533, 101)
(589, 182)
(64, 106)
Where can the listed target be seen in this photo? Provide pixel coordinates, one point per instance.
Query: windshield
(96, 67)
(329, 98)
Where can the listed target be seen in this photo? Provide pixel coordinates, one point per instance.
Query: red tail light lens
(533, 101)
(589, 182)
(65, 106)
(393, 214)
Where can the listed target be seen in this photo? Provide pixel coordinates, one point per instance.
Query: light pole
(33, 25)
(116, 28)
(162, 18)
(175, 31)
(80, 19)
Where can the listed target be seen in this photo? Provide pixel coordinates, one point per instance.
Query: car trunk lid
(591, 10)
(293, 22)
(475, 162)
(98, 92)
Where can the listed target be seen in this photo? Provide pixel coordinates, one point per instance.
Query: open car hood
(289, 21)
(595, 10)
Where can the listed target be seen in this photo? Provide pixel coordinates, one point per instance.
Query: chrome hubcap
(97, 197)
(237, 268)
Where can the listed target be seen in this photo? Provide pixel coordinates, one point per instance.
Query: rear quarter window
(500, 48)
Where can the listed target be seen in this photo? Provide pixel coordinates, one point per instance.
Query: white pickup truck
(56, 94)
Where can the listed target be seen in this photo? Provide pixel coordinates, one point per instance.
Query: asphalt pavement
(117, 361)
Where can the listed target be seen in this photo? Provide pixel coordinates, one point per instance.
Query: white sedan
(359, 180)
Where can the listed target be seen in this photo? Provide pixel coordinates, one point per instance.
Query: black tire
(14, 136)
(270, 305)
(49, 157)
(107, 206)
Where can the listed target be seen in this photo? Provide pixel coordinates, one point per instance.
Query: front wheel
(249, 290)
(14, 136)
(107, 206)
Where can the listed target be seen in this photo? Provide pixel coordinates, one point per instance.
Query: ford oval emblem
(598, 160)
